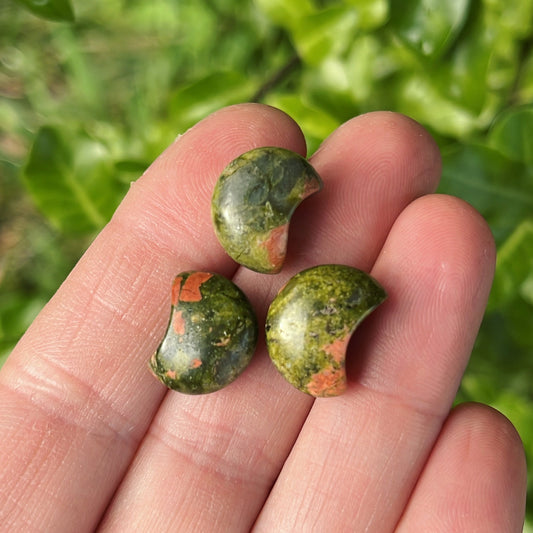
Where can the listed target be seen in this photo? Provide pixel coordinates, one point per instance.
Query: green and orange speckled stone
(253, 202)
(311, 320)
(211, 335)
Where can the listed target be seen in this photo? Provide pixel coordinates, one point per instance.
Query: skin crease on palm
(92, 441)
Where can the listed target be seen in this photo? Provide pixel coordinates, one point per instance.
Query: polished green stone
(253, 202)
(211, 334)
(311, 320)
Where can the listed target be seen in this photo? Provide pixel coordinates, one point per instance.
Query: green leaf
(518, 323)
(193, 102)
(316, 123)
(17, 311)
(419, 97)
(363, 67)
(327, 32)
(514, 266)
(319, 33)
(482, 66)
(515, 17)
(286, 13)
(524, 86)
(463, 81)
(526, 289)
(370, 13)
(512, 134)
(429, 27)
(500, 189)
(72, 184)
(464, 77)
(58, 10)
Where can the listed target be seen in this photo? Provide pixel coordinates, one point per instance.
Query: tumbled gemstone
(211, 335)
(311, 321)
(253, 202)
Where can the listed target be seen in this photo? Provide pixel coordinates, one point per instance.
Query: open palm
(91, 441)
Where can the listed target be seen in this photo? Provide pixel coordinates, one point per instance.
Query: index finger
(75, 393)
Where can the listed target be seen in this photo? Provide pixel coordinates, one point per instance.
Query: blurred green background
(92, 92)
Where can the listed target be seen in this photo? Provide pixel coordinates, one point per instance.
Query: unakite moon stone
(253, 202)
(311, 320)
(211, 334)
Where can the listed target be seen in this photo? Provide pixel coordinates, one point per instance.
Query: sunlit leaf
(364, 66)
(58, 10)
(428, 26)
(193, 102)
(419, 97)
(316, 124)
(286, 13)
(526, 289)
(326, 32)
(72, 184)
(370, 13)
(482, 66)
(515, 16)
(512, 134)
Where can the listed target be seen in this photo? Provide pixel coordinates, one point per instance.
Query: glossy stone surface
(211, 335)
(311, 320)
(253, 202)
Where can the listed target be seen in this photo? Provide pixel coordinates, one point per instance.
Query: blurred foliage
(87, 104)
(59, 10)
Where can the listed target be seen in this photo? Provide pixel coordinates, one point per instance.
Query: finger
(76, 394)
(358, 456)
(475, 478)
(218, 455)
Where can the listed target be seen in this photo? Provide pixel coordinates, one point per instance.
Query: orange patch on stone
(276, 245)
(311, 187)
(178, 323)
(329, 382)
(190, 292)
(195, 363)
(176, 289)
(337, 349)
(170, 374)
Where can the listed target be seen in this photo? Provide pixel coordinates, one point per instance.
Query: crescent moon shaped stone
(311, 320)
(253, 202)
(211, 335)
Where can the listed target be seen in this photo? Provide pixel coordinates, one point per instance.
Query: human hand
(91, 440)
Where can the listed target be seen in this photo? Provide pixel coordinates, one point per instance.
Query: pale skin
(92, 441)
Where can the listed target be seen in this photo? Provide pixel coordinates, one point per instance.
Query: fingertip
(492, 432)
(454, 243)
(402, 146)
(486, 449)
(475, 478)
